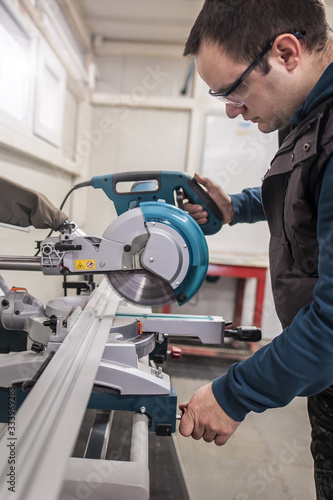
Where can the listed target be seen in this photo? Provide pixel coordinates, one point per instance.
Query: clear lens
(229, 100)
(237, 98)
(242, 91)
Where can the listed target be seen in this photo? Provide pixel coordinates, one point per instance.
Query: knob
(175, 352)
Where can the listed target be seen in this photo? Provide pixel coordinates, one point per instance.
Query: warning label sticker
(84, 265)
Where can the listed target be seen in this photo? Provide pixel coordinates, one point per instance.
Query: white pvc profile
(47, 424)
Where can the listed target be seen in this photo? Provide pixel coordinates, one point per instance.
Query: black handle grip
(244, 333)
(206, 199)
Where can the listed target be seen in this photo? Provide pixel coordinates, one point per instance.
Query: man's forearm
(247, 206)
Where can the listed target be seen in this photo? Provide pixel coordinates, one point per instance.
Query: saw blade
(141, 287)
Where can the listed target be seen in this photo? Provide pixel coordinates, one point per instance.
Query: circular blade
(141, 287)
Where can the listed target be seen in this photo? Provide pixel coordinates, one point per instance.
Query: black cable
(77, 186)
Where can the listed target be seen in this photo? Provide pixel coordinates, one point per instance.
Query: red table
(242, 273)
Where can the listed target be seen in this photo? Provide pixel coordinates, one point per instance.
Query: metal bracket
(161, 410)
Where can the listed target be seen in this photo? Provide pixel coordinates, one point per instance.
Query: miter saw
(154, 253)
(99, 352)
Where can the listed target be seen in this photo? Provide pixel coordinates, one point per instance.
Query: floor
(268, 457)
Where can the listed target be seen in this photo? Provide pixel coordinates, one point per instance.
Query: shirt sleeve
(299, 361)
(247, 206)
(25, 207)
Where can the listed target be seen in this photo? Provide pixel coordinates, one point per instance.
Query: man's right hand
(222, 200)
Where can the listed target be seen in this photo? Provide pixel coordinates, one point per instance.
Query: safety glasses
(239, 91)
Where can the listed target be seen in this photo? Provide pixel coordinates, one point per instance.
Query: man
(270, 62)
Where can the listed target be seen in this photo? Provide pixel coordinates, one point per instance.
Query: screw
(143, 409)
(181, 297)
(102, 264)
(151, 259)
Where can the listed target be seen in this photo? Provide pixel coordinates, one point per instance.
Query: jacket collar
(321, 91)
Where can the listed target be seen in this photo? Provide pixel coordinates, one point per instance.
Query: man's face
(271, 101)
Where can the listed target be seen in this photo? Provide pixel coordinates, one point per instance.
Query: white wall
(141, 76)
(329, 10)
(138, 137)
(29, 158)
(50, 180)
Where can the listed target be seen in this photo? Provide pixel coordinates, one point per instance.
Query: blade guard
(159, 185)
(194, 239)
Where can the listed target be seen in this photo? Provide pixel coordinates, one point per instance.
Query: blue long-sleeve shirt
(299, 362)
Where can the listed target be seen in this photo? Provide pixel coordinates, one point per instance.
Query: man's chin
(267, 128)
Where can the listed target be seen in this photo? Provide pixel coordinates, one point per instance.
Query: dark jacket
(289, 201)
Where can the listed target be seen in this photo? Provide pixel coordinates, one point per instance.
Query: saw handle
(198, 196)
(135, 176)
(158, 185)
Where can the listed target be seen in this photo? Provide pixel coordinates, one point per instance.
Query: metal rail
(19, 263)
(112, 479)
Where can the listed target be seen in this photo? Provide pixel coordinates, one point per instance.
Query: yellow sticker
(84, 265)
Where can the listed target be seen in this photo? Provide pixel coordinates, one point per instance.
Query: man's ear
(288, 50)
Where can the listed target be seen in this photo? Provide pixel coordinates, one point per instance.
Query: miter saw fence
(154, 253)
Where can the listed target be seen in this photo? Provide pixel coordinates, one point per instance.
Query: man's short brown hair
(244, 27)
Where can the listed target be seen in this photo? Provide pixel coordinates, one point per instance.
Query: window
(16, 68)
(50, 89)
(32, 83)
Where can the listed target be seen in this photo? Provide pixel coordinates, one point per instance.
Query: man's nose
(232, 111)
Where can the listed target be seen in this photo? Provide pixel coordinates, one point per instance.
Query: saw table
(96, 357)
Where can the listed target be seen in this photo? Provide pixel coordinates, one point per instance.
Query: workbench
(242, 267)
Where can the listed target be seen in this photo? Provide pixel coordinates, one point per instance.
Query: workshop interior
(110, 321)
